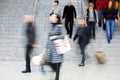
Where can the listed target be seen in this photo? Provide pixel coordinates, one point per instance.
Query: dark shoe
(26, 71)
(108, 41)
(81, 64)
(111, 37)
(70, 37)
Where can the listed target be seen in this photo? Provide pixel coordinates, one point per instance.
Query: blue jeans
(100, 17)
(82, 48)
(110, 24)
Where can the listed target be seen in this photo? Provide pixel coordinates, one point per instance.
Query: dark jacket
(110, 14)
(88, 15)
(30, 33)
(83, 33)
(69, 12)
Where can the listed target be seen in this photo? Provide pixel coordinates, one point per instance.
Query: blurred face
(53, 18)
(55, 4)
(91, 5)
(81, 22)
(28, 18)
(110, 4)
(69, 2)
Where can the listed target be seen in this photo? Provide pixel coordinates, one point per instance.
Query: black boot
(26, 71)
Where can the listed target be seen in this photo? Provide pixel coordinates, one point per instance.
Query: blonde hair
(91, 4)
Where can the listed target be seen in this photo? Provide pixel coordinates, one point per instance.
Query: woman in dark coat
(56, 32)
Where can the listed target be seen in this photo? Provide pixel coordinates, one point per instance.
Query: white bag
(39, 59)
(62, 45)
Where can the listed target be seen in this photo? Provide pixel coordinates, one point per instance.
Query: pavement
(11, 70)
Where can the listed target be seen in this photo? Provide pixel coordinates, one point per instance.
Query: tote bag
(39, 59)
(62, 45)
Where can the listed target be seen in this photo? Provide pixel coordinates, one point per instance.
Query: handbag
(39, 59)
(100, 57)
(62, 45)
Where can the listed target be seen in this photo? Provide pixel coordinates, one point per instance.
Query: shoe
(111, 37)
(26, 71)
(108, 41)
(81, 64)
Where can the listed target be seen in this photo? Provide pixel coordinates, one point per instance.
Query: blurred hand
(45, 49)
(116, 20)
(34, 46)
(74, 19)
(72, 42)
(53, 8)
(104, 20)
(52, 37)
(97, 20)
(63, 19)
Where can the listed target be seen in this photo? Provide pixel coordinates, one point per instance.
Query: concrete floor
(11, 70)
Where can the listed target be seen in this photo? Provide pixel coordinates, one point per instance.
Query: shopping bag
(62, 45)
(100, 57)
(39, 59)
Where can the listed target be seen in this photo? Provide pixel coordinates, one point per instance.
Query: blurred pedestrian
(69, 16)
(30, 35)
(56, 32)
(83, 34)
(55, 9)
(110, 18)
(91, 19)
(101, 5)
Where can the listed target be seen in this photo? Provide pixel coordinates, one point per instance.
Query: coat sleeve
(47, 44)
(115, 13)
(34, 35)
(76, 35)
(75, 15)
(62, 31)
(64, 12)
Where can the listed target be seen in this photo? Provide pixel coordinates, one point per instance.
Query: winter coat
(52, 55)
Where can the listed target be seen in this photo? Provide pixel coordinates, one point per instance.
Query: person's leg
(57, 70)
(66, 26)
(93, 30)
(82, 47)
(99, 17)
(53, 66)
(27, 57)
(90, 28)
(94, 34)
(102, 20)
(104, 26)
(108, 30)
(71, 27)
(112, 28)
